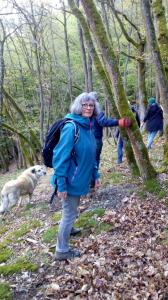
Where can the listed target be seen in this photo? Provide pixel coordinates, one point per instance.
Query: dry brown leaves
(131, 262)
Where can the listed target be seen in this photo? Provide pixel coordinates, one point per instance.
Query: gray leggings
(69, 214)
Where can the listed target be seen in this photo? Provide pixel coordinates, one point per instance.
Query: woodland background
(50, 52)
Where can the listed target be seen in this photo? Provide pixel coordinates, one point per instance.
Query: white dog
(23, 185)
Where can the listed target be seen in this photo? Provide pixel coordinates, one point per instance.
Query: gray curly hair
(76, 106)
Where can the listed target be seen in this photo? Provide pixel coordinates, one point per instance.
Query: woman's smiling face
(87, 109)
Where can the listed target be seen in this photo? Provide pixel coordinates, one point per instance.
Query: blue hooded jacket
(75, 179)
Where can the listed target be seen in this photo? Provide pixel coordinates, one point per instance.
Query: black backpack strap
(54, 193)
(52, 196)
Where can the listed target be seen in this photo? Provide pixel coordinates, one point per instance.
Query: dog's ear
(33, 171)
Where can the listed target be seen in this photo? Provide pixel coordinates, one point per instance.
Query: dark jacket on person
(102, 121)
(154, 118)
(136, 115)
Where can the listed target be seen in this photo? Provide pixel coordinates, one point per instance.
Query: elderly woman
(73, 177)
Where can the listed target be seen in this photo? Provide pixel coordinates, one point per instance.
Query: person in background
(73, 176)
(153, 120)
(102, 121)
(120, 143)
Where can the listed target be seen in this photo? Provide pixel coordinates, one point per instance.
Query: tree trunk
(67, 54)
(142, 93)
(2, 70)
(162, 31)
(89, 68)
(106, 20)
(126, 65)
(40, 93)
(110, 63)
(159, 69)
(106, 84)
(140, 45)
(84, 61)
(83, 52)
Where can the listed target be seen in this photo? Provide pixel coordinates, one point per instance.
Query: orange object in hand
(124, 122)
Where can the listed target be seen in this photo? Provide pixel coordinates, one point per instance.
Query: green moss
(16, 234)
(86, 223)
(103, 227)
(35, 224)
(3, 229)
(141, 194)
(162, 169)
(5, 254)
(56, 217)
(21, 231)
(25, 228)
(152, 186)
(99, 212)
(5, 242)
(88, 219)
(21, 265)
(50, 234)
(115, 177)
(29, 206)
(42, 205)
(162, 194)
(5, 291)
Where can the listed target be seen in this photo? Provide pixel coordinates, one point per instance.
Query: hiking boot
(75, 231)
(71, 254)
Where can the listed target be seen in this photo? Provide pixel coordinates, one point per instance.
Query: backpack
(53, 137)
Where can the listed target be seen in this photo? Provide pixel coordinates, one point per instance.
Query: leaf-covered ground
(124, 241)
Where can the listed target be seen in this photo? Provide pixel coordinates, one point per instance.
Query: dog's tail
(4, 203)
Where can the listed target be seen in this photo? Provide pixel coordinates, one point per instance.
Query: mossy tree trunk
(83, 52)
(111, 65)
(139, 45)
(142, 93)
(162, 31)
(106, 84)
(2, 71)
(159, 69)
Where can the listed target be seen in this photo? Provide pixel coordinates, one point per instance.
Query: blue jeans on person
(99, 145)
(151, 136)
(120, 145)
(69, 214)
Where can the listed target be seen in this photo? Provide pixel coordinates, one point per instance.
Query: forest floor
(124, 240)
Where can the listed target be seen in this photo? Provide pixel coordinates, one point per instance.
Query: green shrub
(5, 291)
(5, 254)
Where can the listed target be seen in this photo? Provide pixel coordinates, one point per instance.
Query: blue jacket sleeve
(103, 121)
(62, 156)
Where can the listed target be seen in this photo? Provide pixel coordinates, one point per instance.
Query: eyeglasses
(88, 105)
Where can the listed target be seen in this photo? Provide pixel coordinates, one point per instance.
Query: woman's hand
(97, 183)
(62, 195)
